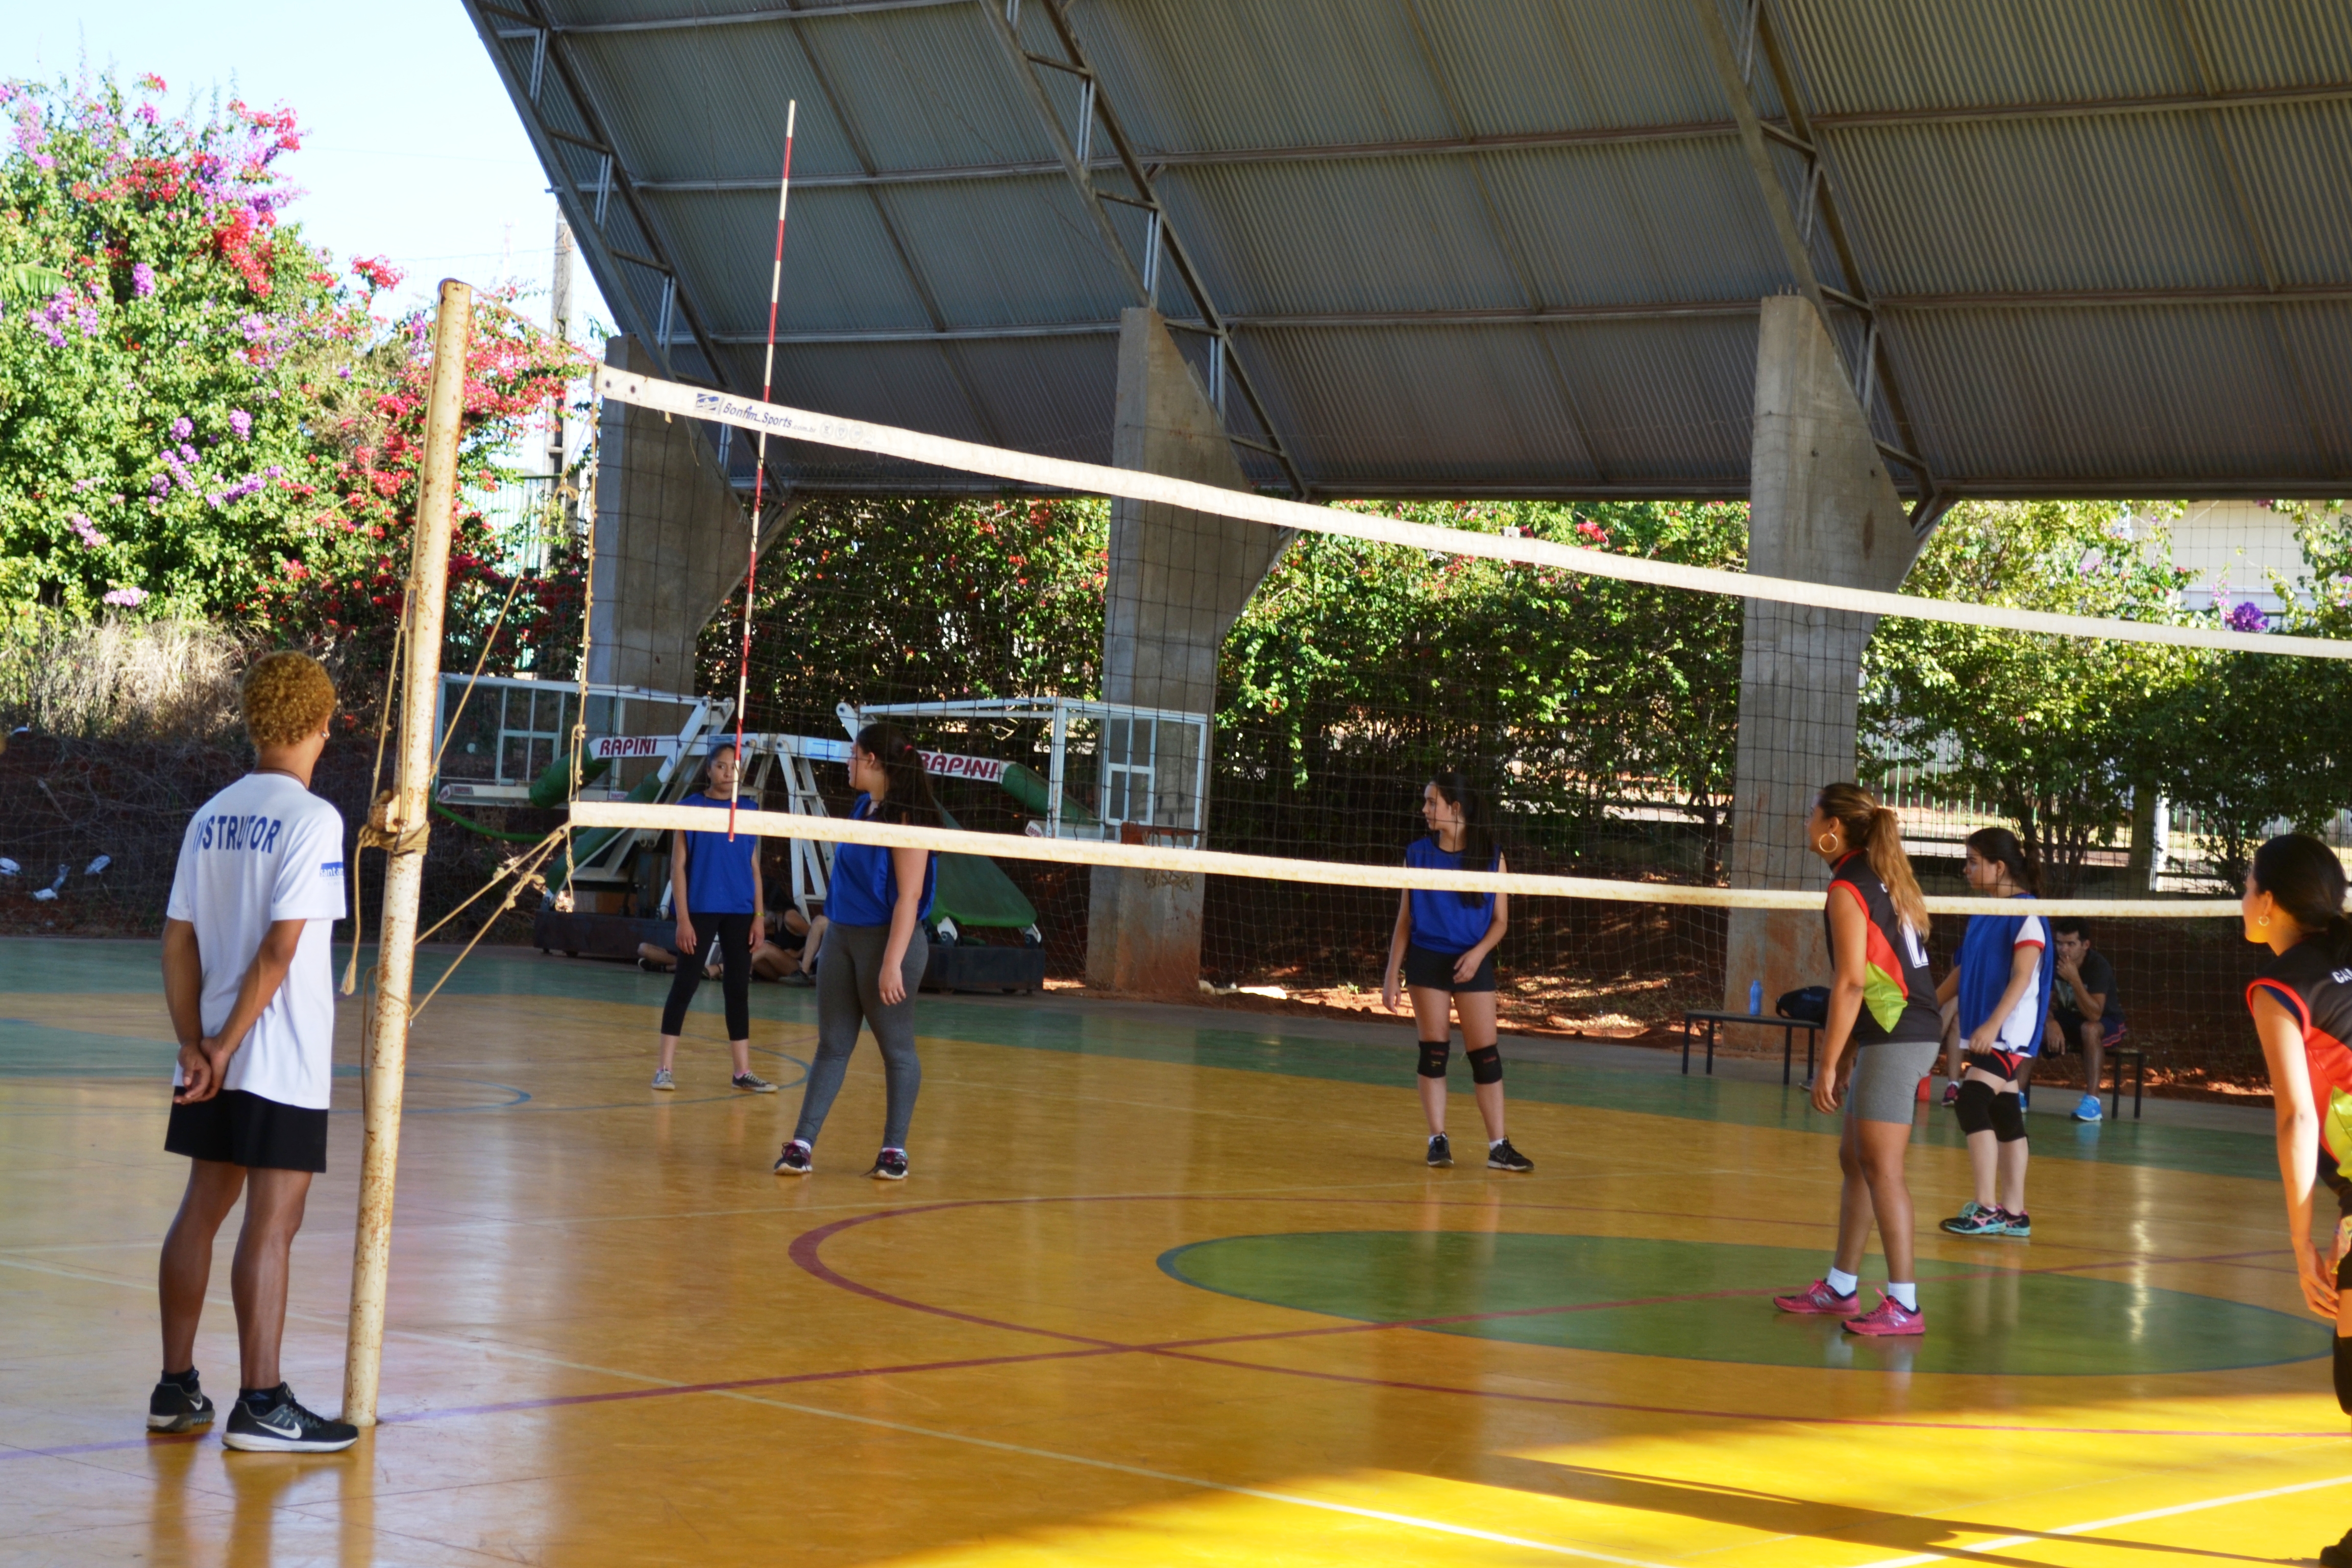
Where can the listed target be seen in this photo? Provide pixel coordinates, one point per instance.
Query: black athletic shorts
(1434, 971)
(240, 1129)
(2070, 1024)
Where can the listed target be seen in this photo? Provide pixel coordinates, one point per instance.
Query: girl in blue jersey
(2002, 986)
(1443, 946)
(715, 894)
(874, 952)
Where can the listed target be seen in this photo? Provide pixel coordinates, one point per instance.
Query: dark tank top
(1898, 998)
(2317, 990)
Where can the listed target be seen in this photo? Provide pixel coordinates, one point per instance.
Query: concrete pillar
(1177, 581)
(1820, 507)
(670, 540)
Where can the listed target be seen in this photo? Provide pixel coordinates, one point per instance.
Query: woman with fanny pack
(875, 952)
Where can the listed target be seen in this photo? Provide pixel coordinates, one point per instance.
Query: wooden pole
(402, 829)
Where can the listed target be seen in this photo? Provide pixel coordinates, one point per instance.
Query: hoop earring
(1826, 843)
(2263, 921)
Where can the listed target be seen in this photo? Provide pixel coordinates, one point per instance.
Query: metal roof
(1484, 248)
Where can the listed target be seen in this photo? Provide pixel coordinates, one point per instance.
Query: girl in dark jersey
(1883, 1034)
(2302, 1004)
(1444, 947)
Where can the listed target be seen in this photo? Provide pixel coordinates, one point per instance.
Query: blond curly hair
(288, 697)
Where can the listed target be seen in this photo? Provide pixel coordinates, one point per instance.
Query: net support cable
(1329, 873)
(1042, 473)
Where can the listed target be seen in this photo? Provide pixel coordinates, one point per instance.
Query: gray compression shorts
(1885, 1083)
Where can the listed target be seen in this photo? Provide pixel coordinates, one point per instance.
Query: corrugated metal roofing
(1494, 246)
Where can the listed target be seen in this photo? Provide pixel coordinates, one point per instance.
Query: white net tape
(1326, 873)
(1090, 479)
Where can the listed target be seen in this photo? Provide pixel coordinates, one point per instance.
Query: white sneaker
(662, 1078)
(2087, 1108)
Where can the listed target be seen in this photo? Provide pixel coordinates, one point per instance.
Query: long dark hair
(2306, 879)
(1877, 832)
(2002, 847)
(909, 800)
(1478, 847)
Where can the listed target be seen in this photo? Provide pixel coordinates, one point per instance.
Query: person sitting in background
(788, 948)
(2082, 1008)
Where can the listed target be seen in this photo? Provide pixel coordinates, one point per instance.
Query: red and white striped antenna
(760, 474)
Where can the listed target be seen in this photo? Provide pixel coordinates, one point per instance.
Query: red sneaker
(1889, 1318)
(1820, 1301)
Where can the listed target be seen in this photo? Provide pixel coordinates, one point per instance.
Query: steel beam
(1590, 136)
(1571, 315)
(1734, 69)
(1095, 105)
(552, 65)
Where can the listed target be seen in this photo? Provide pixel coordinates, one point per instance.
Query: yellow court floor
(1165, 1287)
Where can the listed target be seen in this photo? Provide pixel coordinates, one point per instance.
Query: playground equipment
(1112, 771)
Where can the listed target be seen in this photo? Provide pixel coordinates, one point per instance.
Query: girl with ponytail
(1881, 1041)
(873, 961)
(2302, 1004)
(1999, 994)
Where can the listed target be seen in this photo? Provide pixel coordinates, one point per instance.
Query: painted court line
(2001, 1542)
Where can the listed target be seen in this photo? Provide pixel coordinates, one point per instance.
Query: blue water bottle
(1754, 998)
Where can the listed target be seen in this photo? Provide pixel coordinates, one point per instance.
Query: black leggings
(734, 935)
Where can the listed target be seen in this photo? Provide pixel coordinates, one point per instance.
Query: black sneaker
(752, 1083)
(1441, 1153)
(285, 1428)
(2338, 1555)
(1503, 1157)
(890, 1165)
(795, 1159)
(171, 1408)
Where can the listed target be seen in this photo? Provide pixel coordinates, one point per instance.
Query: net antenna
(760, 472)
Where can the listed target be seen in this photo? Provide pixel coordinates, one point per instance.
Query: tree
(2054, 733)
(201, 416)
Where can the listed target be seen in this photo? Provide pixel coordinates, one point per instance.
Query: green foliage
(198, 414)
(1358, 669)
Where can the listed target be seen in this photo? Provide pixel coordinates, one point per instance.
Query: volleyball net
(1583, 664)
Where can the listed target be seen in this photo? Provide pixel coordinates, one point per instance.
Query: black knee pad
(2344, 1376)
(1432, 1057)
(2008, 1118)
(1974, 1108)
(1485, 1064)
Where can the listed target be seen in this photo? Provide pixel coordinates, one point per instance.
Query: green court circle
(1704, 1301)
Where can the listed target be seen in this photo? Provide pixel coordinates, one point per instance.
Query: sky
(411, 147)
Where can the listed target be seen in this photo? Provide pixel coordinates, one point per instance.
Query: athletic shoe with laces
(1951, 1094)
(662, 1078)
(1976, 1219)
(1817, 1300)
(795, 1159)
(2087, 1108)
(1441, 1153)
(285, 1428)
(1503, 1157)
(752, 1083)
(890, 1165)
(1890, 1318)
(171, 1408)
(2017, 1224)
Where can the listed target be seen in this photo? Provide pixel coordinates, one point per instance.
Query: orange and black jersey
(2308, 982)
(1898, 1000)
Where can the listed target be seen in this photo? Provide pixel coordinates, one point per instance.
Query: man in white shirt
(250, 986)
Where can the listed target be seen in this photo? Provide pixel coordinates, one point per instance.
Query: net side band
(1327, 873)
(1090, 479)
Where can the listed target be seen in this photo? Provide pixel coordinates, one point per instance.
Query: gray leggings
(847, 973)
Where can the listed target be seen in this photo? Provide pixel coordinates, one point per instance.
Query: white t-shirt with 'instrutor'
(265, 850)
